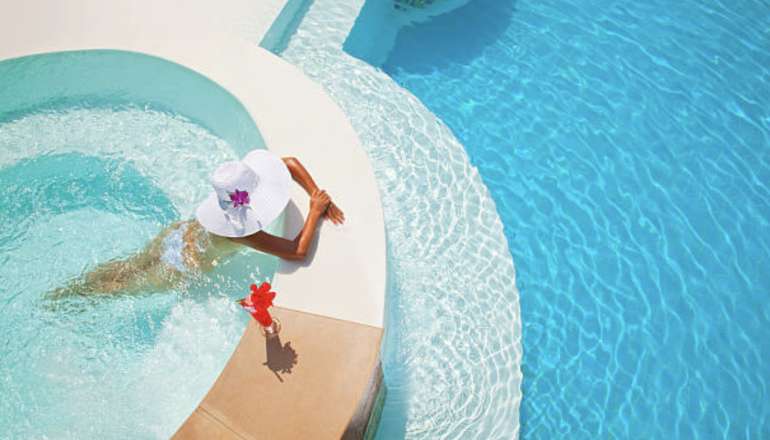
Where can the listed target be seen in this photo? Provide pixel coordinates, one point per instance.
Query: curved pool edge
(297, 118)
(497, 229)
(406, 141)
(344, 280)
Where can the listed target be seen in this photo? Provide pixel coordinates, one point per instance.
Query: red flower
(262, 296)
(258, 302)
(263, 317)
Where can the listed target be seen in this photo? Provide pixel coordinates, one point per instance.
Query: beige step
(319, 378)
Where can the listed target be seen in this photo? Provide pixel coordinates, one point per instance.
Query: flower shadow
(280, 358)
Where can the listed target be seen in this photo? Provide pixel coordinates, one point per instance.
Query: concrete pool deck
(332, 305)
(296, 385)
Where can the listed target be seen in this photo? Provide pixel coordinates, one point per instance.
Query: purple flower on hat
(239, 198)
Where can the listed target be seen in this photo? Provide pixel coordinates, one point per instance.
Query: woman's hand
(334, 214)
(319, 202)
(298, 172)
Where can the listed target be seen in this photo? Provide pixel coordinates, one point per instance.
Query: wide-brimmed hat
(247, 197)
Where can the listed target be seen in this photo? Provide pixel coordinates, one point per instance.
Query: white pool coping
(346, 277)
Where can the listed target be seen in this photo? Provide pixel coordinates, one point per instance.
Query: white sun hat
(247, 197)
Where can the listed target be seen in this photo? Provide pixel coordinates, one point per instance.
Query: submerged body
(186, 249)
(177, 253)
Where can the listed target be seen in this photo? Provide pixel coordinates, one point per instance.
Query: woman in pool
(247, 197)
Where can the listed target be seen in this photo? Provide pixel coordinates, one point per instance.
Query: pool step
(319, 378)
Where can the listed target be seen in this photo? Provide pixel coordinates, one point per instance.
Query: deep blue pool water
(627, 147)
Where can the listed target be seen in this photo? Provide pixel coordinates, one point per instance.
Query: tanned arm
(291, 249)
(303, 178)
(300, 174)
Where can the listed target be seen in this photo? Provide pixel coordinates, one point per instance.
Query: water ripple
(627, 147)
(452, 349)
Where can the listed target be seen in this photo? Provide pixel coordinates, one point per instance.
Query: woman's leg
(141, 272)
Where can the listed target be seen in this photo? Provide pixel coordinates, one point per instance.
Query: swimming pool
(99, 151)
(627, 147)
(452, 347)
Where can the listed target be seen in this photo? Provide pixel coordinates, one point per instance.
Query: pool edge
(350, 260)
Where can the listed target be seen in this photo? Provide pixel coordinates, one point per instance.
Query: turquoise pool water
(627, 148)
(91, 168)
(452, 347)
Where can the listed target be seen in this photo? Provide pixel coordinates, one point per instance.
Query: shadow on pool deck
(293, 223)
(280, 358)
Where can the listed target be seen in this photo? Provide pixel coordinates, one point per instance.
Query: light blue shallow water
(627, 147)
(86, 176)
(452, 347)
